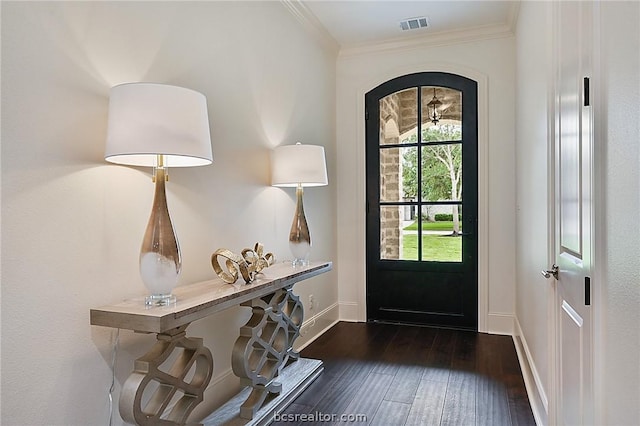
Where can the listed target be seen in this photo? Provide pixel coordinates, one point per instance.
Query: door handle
(553, 271)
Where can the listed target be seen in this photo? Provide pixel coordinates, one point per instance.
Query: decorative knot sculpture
(248, 264)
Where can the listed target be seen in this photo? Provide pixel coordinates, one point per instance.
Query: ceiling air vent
(414, 23)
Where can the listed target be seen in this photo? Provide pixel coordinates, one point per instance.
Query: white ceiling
(355, 22)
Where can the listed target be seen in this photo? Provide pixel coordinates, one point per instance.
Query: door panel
(572, 335)
(574, 143)
(421, 135)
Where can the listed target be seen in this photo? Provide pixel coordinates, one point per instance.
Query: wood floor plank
(403, 375)
(423, 344)
(492, 406)
(398, 350)
(380, 338)
(438, 362)
(344, 390)
(288, 417)
(428, 404)
(464, 355)
(488, 358)
(355, 343)
(521, 414)
(405, 384)
(391, 413)
(460, 401)
(318, 389)
(367, 401)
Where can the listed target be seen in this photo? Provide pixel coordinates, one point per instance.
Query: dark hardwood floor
(405, 375)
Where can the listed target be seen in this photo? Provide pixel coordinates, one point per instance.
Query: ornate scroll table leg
(167, 382)
(293, 315)
(265, 345)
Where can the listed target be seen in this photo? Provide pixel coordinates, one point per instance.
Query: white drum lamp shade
(298, 164)
(149, 119)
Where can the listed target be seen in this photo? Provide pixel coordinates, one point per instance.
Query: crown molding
(443, 38)
(512, 17)
(486, 32)
(312, 24)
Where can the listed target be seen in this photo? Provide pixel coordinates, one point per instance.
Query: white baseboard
(499, 323)
(533, 383)
(349, 312)
(316, 326)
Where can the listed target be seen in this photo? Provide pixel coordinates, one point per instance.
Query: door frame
(385, 303)
(493, 322)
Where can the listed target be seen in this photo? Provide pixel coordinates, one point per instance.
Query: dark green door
(422, 200)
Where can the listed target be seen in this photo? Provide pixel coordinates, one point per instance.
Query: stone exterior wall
(390, 180)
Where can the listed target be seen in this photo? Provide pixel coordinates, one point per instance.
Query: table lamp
(299, 166)
(159, 126)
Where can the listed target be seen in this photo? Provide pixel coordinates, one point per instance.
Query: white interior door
(573, 230)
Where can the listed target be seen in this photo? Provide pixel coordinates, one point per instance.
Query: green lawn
(432, 226)
(434, 247)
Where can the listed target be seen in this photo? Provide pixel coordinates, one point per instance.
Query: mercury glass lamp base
(160, 300)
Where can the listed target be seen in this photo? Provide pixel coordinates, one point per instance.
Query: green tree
(441, 167)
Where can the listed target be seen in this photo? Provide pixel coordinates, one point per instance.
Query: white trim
(222, 377)
(483, 179)
(599, 224)
(434, 39)
(330, 316)
(349, 311)
(552, 125)
(445, 38)
(499, 323)
(514, 13)
(483, 201)
(312, 24)
(535, 390)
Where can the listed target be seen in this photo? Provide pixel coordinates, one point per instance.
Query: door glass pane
(398, 174)
(399, 117)
(441, 239)
(441, 114)
(392, 222)
(441, 172)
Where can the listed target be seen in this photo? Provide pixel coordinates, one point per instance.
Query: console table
(169, 381)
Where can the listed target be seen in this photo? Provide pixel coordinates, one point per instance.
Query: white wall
(492, 63)
(533, 65)
(72, 224)
(619, 137)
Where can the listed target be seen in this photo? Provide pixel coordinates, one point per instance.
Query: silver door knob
(553, 271)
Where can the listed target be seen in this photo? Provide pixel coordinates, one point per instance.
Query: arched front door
(422, 200)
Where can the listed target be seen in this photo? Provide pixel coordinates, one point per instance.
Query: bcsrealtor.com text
(318, 416)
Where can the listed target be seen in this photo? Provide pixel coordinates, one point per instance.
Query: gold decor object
(248, 264)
